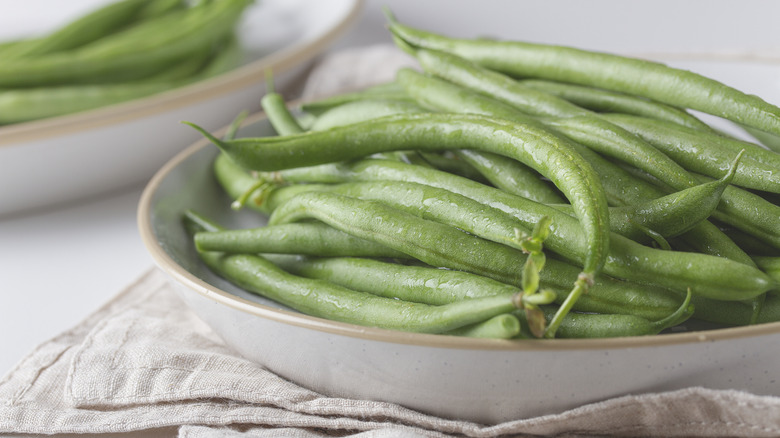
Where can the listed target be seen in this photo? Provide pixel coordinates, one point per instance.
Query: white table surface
(59, 265)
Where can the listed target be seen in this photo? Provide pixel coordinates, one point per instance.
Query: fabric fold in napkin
(145, 363)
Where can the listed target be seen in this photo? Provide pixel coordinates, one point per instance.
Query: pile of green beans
(576, 183)
(122, 51)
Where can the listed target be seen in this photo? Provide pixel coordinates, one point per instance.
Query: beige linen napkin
(145, 363)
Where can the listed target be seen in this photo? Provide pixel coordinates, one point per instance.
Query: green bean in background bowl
(99, 136)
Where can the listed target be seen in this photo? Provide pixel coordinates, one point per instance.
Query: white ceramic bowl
(486, 381)
(62, 159)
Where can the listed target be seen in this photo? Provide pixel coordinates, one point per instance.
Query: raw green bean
(504, 326)
(363, 110)
(713, 277)
(131, 54)
(452, 162)
(512, 176)
(450, 97)
(437, 287)
(419, 284)
(648, 79)
(748, 213)
(751, 244)
(738, 208)
(770, 141)
(705, 237)
(86, 29)
(471, 76)
(279, 116)
(606, 101)
(35, 103)
(501, 226)
(327, 300)
(25, 104)
(584, 325)
(546, 153)
(736, 313)
(440, 286)
(770, 265)
(705, 153)
(298, 238)
(385, 91)
(669, 215)
(589, 130)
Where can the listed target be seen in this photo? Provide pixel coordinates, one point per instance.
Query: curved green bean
(548, 154)
(705, 153)
(605, 101)
(652, 80)
(86, 29)
(713, 277)
(131, 54)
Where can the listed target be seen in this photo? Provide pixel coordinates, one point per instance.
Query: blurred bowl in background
(67, 158)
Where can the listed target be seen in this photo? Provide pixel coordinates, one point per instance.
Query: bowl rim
(281, 61)
(177, 273)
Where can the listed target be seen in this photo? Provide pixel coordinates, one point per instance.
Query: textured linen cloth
(145, 363)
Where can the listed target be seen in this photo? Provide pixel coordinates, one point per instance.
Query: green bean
(403, 232)
(460, 71)
(327, 300)
(86, 29)
(770, 141)
(453, 162)
(25, 104)
(506, 173)
(131, 54)
(511, 176)
(303, 238)
(748, 212)
(419, 284)
(279, 116)
(583, 325)
(385, 91)
(608, 295)
(606, 101)
(504, 326)
(440, 286)
(704, 237)
(751, 244)
(229, 56)
(770, 265)
(589, 130)
(736, 313)
(702, 152)
(738, 208)
(30, 104)
(363, 110)
(548, 154)
(501, 226)
(416, 284)
(669, 215)
(437, 287)
(617, 183)
(713, 277)
(652, 80)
